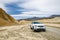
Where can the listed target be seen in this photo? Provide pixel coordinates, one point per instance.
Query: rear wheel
(31, 28)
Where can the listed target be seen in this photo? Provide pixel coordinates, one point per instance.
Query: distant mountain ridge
(6, 19)
(38, 18)
(55, 16)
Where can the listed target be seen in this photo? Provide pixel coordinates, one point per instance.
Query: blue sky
(21, 9)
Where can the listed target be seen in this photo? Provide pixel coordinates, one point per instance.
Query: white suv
(37, 26)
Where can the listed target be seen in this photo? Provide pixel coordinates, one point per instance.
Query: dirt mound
(6, 19)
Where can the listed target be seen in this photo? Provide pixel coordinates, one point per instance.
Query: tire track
(25, 33)
(50, 34)
(30, 35)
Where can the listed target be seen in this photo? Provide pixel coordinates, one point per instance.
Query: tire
(35, 30)
(44, 30)
(31, 28)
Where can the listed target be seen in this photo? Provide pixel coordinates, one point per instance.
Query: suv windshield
(35, 22)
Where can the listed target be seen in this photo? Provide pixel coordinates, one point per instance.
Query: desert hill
(6, 19)
(52, 19)
(40, 18)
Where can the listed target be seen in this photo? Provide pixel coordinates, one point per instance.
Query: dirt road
(25, 33)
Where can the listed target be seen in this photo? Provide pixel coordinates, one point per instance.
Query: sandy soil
(23, 32)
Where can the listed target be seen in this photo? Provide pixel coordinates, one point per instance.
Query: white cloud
(30, 14)
(43, 6)
(8, 1)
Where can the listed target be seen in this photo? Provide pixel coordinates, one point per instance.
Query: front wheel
(44, 30)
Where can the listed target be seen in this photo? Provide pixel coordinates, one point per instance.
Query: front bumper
(39, 29)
